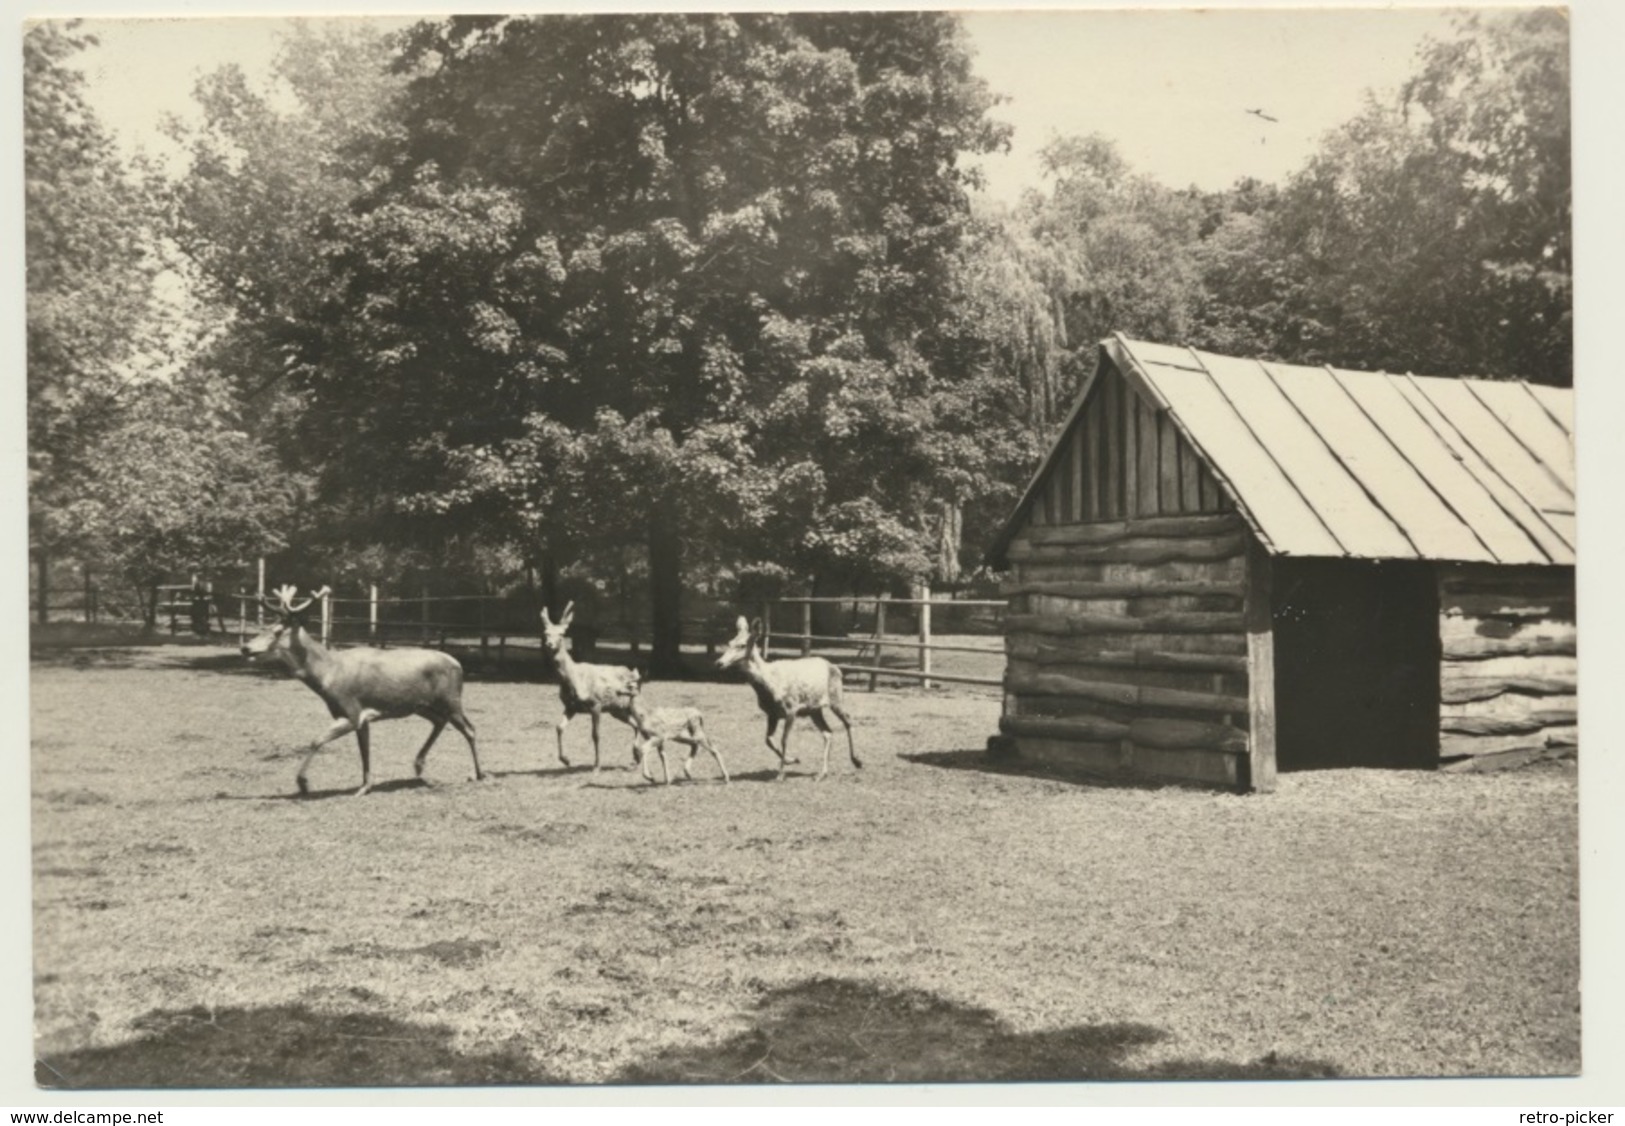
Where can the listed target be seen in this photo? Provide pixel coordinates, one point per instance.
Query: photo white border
(1598, 46)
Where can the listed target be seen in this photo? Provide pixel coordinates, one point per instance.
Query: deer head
(553, 633)
(288, 618)
(746, 638)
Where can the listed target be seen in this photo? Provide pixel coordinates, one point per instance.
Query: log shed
(1225, 568)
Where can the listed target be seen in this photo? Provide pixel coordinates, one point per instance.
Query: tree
(91, 260)
(1428, 234)
(179, 487)
(1495, 108)
(138, 457)
(269, 170)
(712, 247)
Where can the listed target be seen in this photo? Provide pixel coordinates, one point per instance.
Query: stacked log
(1508, 682)
(1127, 647)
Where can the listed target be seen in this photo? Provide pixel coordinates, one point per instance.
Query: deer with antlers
(362, 685)
(598, 690)
(787, 689)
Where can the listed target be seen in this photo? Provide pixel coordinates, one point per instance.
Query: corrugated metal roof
(1326, 462)
(1329, 462)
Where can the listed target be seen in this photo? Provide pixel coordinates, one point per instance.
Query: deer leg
(465, 726)
(640, 746)
(772, 726)
(784, 755)
(823, 725)
(596, 717)
(558, 729)
(703, 739)
(688, 739)
(846, 722)
(439, 725)
(640, 735)
(363, 737)
(341, 726)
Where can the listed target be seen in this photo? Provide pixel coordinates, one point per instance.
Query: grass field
(929, 918)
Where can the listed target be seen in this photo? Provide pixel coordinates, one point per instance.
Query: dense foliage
(137, 457)
(670, 298)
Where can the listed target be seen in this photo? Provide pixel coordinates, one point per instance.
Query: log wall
(1508, 683)
(1127, 648)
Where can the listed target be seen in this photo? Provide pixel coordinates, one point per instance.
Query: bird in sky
(1265, 116)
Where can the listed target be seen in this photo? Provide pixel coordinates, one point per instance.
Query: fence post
(485, 640)
(242, 616)
(423, 614)
(767, 627)
(327, 618)
(806, 628)
(880, 634)
(372, 614)
(259, 600)
(925, 635)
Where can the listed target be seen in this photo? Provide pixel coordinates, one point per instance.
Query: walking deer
(787, 689)
(678, 725)
(598, 690)
(362, 685)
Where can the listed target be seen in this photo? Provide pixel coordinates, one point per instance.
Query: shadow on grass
(979, 761)
(821, 1030)
(286, 1046)
(388, 786)
(827, 1030)
(543, 771)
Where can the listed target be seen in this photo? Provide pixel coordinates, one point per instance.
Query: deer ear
(545, 618)
(756, 628)
(742, 625)
(569, 612)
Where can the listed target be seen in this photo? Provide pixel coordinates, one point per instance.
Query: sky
(1172, 87)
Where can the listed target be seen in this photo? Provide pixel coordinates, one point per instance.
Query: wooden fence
(496, 624)
(876, 642)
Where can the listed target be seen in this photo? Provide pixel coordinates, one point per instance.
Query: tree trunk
(665, 592)
(550, 584)
(950, 533)
(44, 559)
(830, 619)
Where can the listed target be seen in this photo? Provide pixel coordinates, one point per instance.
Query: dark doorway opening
(1356, 664)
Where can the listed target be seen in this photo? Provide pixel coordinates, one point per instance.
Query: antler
(285, 595)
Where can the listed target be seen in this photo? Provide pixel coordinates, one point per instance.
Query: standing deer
(598, 690)
(786, 689)
(679, 725)
(361, 685)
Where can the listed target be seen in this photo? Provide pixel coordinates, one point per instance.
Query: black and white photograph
(619, 550)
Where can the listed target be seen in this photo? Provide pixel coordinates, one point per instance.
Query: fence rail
(489, 620)
(505, 622)
(879, 640)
